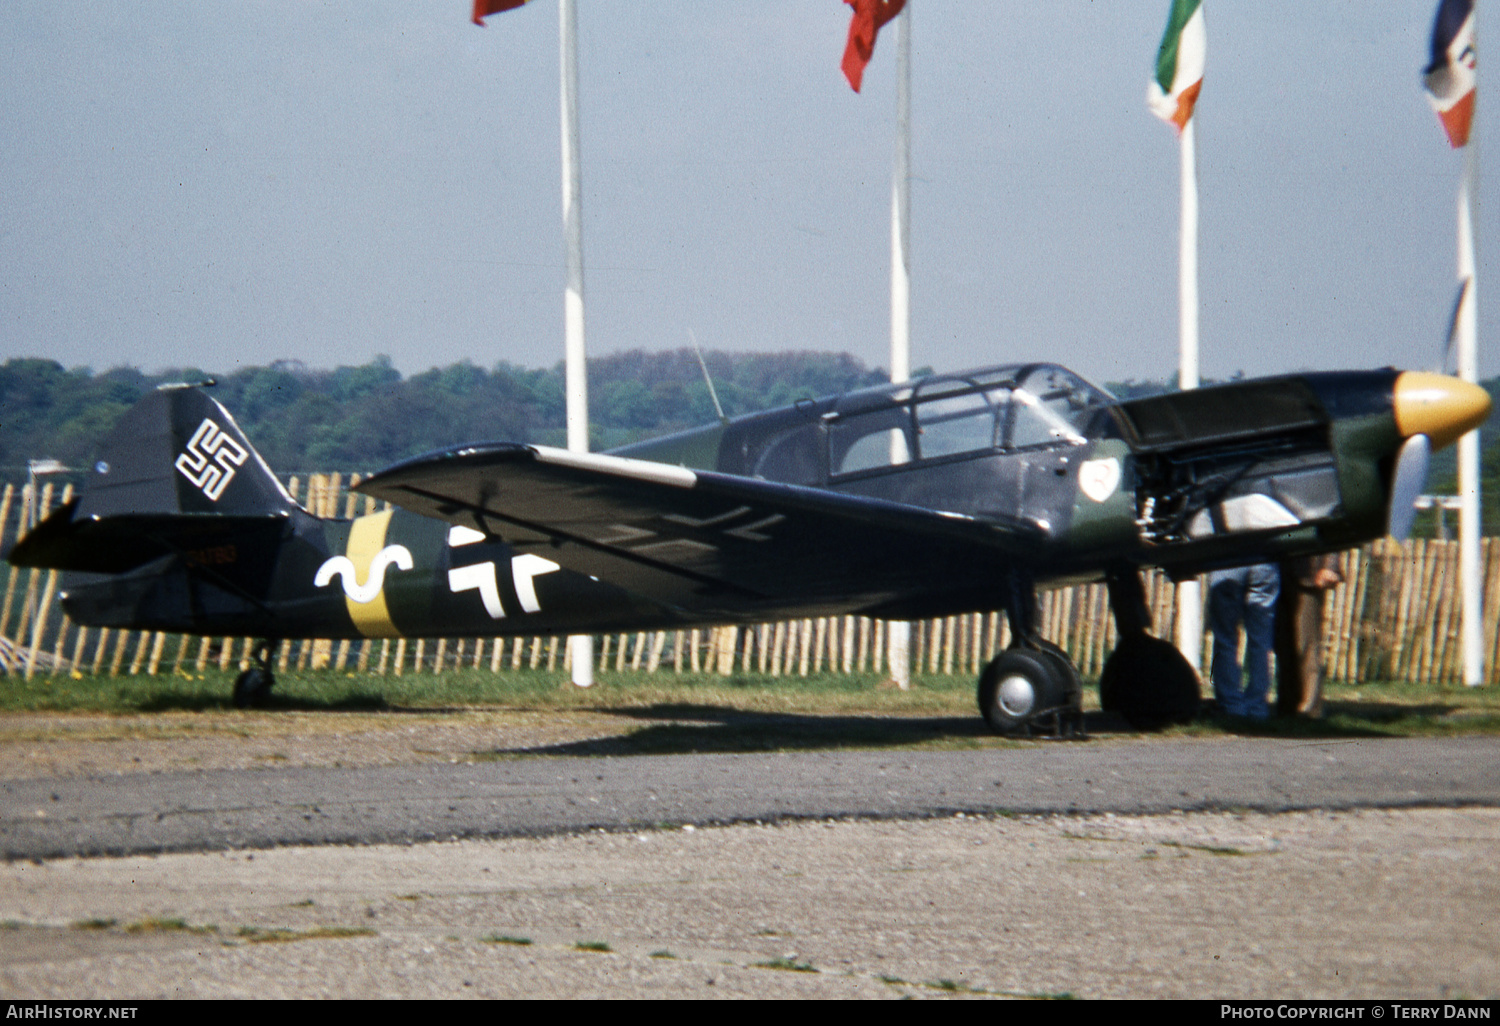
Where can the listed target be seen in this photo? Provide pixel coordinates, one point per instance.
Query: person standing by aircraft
(1305, 583)
(1243, 595)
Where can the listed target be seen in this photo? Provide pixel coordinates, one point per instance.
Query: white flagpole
(901, 207)
(1187, 252)
(1189, 593)
(580, 646)
(899, 633)
(1472, 619)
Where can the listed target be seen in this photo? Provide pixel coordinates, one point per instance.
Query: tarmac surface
(1227, 867)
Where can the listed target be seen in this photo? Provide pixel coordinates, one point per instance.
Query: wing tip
(477, 454)
(618, 466)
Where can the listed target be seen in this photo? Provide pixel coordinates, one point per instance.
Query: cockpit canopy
(1022, 406)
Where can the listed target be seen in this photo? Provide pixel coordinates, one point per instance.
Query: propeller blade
(1410, 481)
(1447, 361)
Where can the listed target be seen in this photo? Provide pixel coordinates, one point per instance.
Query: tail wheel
(252, 688)
(1018, 686)
(1147, 681)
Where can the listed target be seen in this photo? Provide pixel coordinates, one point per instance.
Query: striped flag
(869, 17)
(1449, 75)
(1179, 64)
(484, 8)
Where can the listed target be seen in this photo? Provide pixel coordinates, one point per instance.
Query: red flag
(869, 16)
(484, 8)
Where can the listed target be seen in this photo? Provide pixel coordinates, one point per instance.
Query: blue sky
(228, 184)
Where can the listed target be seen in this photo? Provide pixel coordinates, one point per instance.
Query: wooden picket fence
(1395, 617)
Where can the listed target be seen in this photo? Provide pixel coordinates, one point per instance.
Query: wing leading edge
(711, 545)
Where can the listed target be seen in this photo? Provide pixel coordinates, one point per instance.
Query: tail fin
(176, 473)
(178, 451)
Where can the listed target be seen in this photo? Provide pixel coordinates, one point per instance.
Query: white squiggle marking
(343, 567)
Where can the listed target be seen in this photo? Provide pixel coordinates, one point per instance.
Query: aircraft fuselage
(941, 490)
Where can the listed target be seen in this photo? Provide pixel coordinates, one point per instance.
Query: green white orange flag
(484, 8)
(1179, 64)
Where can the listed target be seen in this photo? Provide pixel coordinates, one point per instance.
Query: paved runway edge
(201, 811)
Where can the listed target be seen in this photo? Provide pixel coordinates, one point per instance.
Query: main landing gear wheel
(1147, 681)
(252, 688)
(1021, 686)
(1063, 666)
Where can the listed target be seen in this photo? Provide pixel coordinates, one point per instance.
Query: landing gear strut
(1145, 679)
(252, 688)
(1032, 683)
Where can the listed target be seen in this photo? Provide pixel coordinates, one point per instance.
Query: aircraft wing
(707, 542)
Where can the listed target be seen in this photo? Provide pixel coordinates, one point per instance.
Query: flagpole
(1189, 593)
(899, 633)
(580, 646)
(901, 207)
(1472, 617)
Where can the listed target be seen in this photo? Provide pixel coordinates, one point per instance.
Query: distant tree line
(364, 418)
(367, 417)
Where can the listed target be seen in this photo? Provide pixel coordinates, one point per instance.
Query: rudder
(175, 475)
(179, 451)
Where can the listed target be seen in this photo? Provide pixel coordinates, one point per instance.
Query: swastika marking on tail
(210, 459)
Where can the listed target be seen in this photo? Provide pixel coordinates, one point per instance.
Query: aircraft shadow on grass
(1348, 720)
(193, 701)
(689, 728)
(679, 728)
(692, 729)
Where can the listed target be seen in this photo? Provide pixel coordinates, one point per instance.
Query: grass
(666, 712)
(1211, 849)
(1382, 709)
(173, 925)
(280, 935)
(786, 965)
(328, 691)
(1208, 849)
(959, 987)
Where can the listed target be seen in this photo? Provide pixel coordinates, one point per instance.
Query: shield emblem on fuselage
(1099, 478)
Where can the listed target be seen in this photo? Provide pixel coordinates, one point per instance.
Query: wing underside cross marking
(625, 533)
(560, 536)
(702, 534)
(678, 518)
(751, 532)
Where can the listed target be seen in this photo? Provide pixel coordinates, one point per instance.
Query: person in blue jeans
(1244, 595)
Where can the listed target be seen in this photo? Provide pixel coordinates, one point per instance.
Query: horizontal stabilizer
(120, 543)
